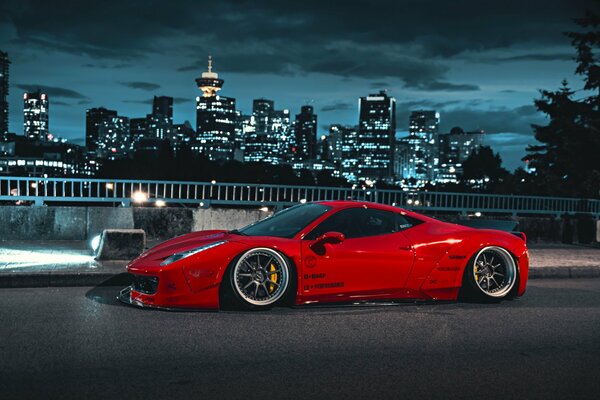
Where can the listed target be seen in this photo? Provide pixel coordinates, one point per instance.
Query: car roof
(340, 204)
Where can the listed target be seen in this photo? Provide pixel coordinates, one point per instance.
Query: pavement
(80, 343)
(71, 263)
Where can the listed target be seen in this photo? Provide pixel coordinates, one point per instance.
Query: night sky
(480, 63)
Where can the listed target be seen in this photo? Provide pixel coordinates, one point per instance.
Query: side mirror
(329, 237)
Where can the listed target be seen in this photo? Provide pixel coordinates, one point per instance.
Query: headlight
(184, 254)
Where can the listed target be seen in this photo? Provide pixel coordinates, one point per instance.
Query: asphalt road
(80, 343)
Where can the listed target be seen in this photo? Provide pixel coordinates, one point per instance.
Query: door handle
(406, 248)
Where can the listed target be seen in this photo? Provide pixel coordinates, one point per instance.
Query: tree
(483, 166)
(568, 160)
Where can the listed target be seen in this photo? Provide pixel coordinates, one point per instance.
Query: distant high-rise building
(160, 121)
(35, 113)
(423, 140)
(267, 133)
(138, 129)
(376, 136)
(454, 148)
(305, 131)
(4, 62)
(335, 141)
(215, 118)
(182, 136)
(94, 118)
(114, 138)
(350, 151)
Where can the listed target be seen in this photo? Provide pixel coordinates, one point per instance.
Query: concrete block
(69, 223)
(101, 218)
(226, 218)
(121, 244)
(163, 223)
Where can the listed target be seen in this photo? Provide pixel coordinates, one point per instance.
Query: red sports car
(326, 252)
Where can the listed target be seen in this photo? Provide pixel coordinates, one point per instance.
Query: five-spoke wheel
(492, 273)
(260, 277)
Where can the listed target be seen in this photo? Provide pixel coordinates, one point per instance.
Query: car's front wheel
(260, 278)
(491, 274)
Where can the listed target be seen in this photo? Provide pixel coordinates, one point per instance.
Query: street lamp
(139, 196)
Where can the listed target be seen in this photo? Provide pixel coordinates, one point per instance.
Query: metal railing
(116, 191)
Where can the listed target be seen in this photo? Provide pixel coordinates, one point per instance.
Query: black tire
(267, 293)
(486, 281)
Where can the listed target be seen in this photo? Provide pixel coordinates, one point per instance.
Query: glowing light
(264, 209)
(417, 202)
(213, 182)
(302, 201)
(478, 214)
(95, 243)
(139, 196)
(160, 203)
(34, 185)
(409, 201)
(110, 186)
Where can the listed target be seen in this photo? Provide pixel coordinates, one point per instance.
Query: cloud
(147, 86)
(51, 91)
(286, 37)
(338, 106)
(437, 86)
(536, 57)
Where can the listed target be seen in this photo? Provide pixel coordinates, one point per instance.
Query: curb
(49, 279)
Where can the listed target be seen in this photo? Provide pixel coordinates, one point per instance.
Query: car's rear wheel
(260, 278)
(491, 274)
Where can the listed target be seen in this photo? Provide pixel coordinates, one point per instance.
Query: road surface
(76, 343)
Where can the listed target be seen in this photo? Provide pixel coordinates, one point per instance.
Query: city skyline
(488, 85)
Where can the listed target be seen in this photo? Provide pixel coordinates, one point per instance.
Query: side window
(341, 221)
(362, 222)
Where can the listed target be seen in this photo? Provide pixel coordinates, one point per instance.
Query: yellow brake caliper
(271, 274)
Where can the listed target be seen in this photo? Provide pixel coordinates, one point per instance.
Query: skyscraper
(454, 148)
(266, 133)
(114, 138)
(306, 134)
(35, 113)
(215, 118)
(4, 62)
(160, 122)
(376, 136)
(423, 141)
(94, 118)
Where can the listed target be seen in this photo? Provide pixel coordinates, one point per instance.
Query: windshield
(286, 223)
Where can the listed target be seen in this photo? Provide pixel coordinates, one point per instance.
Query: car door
(373, 261)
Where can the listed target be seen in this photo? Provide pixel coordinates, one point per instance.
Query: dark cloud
(107, 66)
(338, 106)
(536, 57)
(147, 86)
(400, 39)
(437, 86)
(379, 85)
(51, 91)
(60, 103)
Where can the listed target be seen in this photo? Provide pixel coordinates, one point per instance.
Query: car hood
(183, 243)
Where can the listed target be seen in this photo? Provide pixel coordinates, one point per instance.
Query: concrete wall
(83, 223)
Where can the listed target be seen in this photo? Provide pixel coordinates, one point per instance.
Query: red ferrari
(330, 252)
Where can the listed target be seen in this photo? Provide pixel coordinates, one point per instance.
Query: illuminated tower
(215, 118)
(209, 81)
